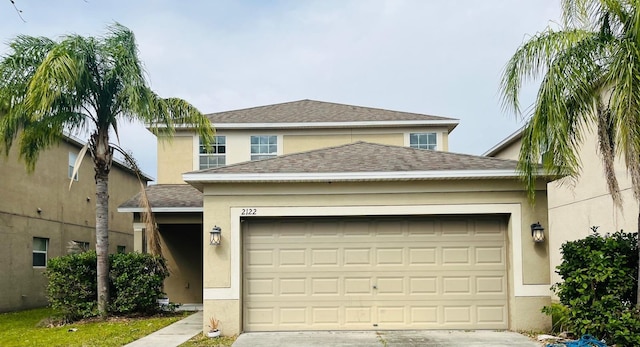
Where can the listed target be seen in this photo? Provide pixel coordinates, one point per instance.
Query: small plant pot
(214, 333)
(163, 302)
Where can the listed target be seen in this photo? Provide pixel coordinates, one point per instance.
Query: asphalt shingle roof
(353, 157)
(168, 195)
(366, 157)
(311, 111)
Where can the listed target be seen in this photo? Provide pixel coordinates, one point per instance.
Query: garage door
(374, 273)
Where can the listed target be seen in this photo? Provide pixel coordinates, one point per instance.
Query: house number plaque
(249, 212)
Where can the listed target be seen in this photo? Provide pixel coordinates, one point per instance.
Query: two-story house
(311, 215)
(40, 216)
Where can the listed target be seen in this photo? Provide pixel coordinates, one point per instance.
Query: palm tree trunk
(102, 241)
(638, 279)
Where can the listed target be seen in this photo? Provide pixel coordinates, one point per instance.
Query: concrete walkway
(413, 338)
(174, 334)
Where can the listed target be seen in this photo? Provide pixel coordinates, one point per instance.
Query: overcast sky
(438, 57)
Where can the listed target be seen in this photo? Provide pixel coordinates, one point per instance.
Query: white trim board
(345, 176)
(352, 124)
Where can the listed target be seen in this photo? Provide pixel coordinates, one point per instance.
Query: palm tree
(77, 84)
(590, 71)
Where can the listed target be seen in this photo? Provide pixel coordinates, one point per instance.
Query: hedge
(136, 281)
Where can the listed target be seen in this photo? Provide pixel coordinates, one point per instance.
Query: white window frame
(72, 162)
(45, 252)
(258, 149)
(426, 144)
(219, 151)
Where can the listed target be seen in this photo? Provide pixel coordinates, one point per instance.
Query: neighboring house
(576, 205)
(39, 216)
(330, 220)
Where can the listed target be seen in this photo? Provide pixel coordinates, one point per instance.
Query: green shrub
(135, 284)
(136, 280)
(559, 317)
(599, 287)
(72, 285)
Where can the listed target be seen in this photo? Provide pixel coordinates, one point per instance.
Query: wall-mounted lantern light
(537, 232)
(215, 235)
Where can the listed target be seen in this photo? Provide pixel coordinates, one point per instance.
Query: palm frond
(77, 163)
(173, 112)
(532, 60)
(147, 217)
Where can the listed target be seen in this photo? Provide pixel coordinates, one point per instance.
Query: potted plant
(163, 300)
(213, 324)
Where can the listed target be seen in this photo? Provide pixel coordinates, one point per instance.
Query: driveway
(421, 338)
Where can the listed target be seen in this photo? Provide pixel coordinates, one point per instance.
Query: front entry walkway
(174, 334)
(412, 338)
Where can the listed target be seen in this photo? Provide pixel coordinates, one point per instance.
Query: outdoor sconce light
(215, 235)
(537, 232)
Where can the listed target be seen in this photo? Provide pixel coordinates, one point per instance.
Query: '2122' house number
(249, 212)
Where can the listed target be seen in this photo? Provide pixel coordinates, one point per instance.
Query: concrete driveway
(421, 338)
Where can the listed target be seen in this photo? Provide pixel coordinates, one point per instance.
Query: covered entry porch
(178, 215)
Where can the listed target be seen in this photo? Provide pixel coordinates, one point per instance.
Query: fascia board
(449, 123)
(346, 176)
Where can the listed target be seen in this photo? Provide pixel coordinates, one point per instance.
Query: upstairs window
(423, 140)
(216, 155)
(40, 248)
(72, 162)
(264, 146)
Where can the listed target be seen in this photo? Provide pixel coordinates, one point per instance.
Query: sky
(436, 57)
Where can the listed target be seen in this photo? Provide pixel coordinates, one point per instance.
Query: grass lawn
(21, 329)
(203, 341)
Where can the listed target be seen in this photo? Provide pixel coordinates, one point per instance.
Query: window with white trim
(264, 146)
(72, 162)
(215, 156)
(423, 140)
(40, 248)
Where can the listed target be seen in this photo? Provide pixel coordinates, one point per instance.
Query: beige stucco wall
(221, 200)
(301, 143)
(175, 157)
(511, 151)
(526, 315)
(577, 205)
(66, 215)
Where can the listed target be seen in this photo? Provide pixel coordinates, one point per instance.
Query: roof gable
(515, 136)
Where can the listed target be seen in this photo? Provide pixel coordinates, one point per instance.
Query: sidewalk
(174, 334)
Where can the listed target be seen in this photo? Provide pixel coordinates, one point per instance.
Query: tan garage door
(374, 273)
